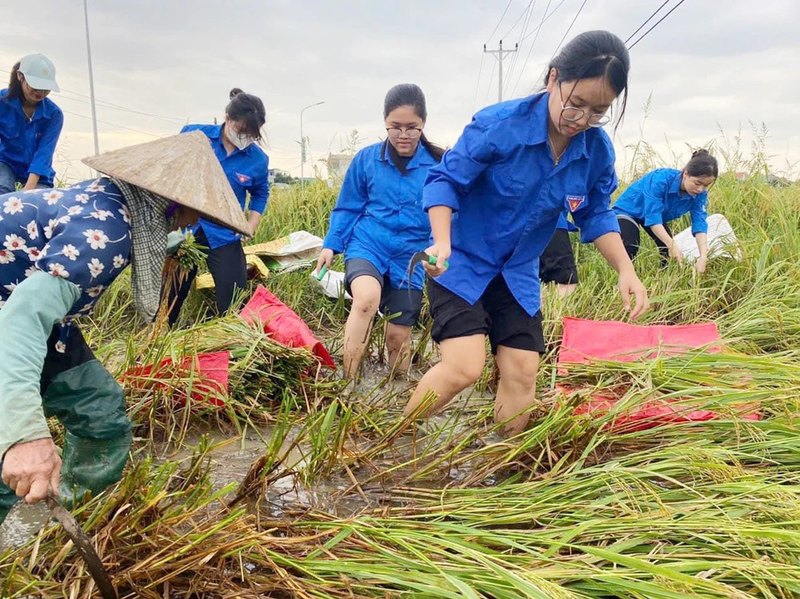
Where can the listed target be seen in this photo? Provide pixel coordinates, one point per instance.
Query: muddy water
(231, 457)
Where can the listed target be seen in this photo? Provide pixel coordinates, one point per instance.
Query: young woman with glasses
(378, 223)
(494, 202)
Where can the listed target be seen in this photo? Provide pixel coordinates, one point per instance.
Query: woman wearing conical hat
(60, 249)
(30, 125)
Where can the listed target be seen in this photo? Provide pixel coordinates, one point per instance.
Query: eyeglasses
(574, 114)
(411, 132)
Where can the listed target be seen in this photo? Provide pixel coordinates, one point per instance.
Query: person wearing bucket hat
(61, 250)
(30, 125)
(235, 144)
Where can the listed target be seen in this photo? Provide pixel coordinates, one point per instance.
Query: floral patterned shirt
(81, 234)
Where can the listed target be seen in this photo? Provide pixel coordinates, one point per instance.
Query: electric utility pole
(500, 54)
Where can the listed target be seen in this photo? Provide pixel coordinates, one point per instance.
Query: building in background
(338, 165)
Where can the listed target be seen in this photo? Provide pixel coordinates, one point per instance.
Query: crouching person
(62, 248)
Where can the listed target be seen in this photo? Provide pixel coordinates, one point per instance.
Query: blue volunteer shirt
(247, 171)
(28, 145)
(656, 199)
(565, 224)
(379, 217)
(507, 196)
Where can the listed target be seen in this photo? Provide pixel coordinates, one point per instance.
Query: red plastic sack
(209, 374)
(586, 340)
(652, 413)
(283, 324)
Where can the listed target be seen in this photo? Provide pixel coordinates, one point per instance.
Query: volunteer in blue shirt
(664, 195)
(246, 165)
(30, 125)
(494, 202)
(557, 262)
(379, 223)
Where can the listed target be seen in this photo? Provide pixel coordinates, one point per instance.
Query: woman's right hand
(441, 252)
(676, 253)
(325, 259)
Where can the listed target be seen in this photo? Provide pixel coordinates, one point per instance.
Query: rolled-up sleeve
(699, 213)
(42, 163)
(27, 319)
(350, 205)
(460, 167)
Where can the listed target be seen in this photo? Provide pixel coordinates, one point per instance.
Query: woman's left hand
(700, 265)
(629, 284)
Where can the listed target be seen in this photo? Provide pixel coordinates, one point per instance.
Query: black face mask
(401, 162)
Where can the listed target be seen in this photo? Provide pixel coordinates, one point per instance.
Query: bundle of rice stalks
(166, 402)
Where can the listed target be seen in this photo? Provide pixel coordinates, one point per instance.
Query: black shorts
(496, 314)
(629, 230)
(557, 262)
(407, 303)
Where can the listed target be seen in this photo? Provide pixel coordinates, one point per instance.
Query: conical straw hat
(181, 168)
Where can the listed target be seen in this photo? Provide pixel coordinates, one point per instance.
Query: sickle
(84, 547)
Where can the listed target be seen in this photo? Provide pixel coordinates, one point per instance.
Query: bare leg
(462, 364)
(565, 290)
(517, 389)
(398, 344)
(366, 292)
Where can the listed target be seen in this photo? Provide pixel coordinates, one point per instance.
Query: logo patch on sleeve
(243, 179)
(575, 202)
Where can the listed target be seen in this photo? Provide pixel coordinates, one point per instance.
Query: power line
(478, 85)
(533, 43)
(630, 37)
(656, 24)
(543, 21)
(515, 58)
(489, 87)
(514, 26)
(503, 16)
(88, 118)
(112, 105)
(566, 33)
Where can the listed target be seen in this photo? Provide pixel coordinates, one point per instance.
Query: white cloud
(709, 63)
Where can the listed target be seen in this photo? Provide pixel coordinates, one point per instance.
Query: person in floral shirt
(59, 250)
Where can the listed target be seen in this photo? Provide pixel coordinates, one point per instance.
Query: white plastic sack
(296, 250)
(332, 284)
(721, 240)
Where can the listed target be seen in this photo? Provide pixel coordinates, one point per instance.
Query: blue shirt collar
(675, 187)
(420, 157)
(537, 128)
(215, 132)
(43, 110)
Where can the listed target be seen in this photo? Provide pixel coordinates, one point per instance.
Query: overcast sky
(709, 65)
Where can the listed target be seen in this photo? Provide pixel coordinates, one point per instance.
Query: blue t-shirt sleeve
(699, 213)
(42, 163)
(654, 192)
(259, 190)
(353, 198)
(460, 167)
(598, 218)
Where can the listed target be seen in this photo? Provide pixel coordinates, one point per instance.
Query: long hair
(409, 94)
(595, 54)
